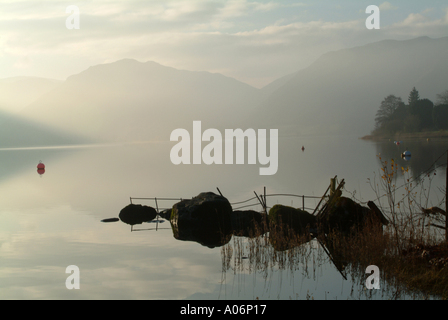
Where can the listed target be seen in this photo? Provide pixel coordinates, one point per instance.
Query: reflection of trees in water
(426, 155)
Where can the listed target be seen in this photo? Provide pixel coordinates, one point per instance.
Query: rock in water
(296, 219)
(346, 216)
(289, 227)
(110, 220)
(137, 214)
(204, 219)
(249, 223)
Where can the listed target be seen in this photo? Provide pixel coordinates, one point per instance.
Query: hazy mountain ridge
(342, 90)
(15, 130)
(18, 92)
(18, 132)
(129, 100)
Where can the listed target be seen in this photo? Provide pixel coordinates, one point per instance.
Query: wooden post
(303, 202)
(321, 199)
(265, 202)
(261, 201)
(332, 186)
(157, 205)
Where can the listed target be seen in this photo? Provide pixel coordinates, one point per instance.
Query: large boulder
(346, 216)
(289, 227)
(249, 223)
(295, 219)
(137, 214)
(204, 219)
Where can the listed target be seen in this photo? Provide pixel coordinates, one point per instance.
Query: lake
(53, 220)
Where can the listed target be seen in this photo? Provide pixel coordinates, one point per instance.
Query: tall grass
(411, 255)
(414, 252)
(403, 199)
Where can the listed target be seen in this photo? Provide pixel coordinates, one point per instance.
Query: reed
(411, 255)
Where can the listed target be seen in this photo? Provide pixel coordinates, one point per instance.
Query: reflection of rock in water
(204, 219)
(137, 214)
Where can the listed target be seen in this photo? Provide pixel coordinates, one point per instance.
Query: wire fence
(254, 202)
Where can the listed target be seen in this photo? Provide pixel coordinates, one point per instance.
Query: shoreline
(441, 134)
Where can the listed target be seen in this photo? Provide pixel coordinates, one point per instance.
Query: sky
(253, 41)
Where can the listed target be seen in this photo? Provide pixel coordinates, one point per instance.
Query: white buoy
(406, 155)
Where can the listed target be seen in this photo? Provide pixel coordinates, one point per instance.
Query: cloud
(253, 41)
(421, 24)
(386, 6)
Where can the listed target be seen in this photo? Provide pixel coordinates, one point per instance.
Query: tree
(423, 110)
(442, 98)
(440, 116)
(387, 109)
(412, 123)
(413, 97)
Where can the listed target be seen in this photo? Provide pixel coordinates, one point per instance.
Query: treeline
(394, 116)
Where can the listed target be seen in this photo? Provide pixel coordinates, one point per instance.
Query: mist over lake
(223, 150)
(53, 220)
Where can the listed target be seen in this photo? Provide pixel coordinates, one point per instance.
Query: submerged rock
(137, 214)
(204, 219)
(110, 220)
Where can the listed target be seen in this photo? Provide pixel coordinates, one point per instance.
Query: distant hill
(17, 132)
(342, 91)
(131, 100)
(18, 92)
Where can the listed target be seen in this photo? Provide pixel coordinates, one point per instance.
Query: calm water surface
(51, 221)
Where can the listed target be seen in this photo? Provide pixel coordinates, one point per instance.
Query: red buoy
(40, 168)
